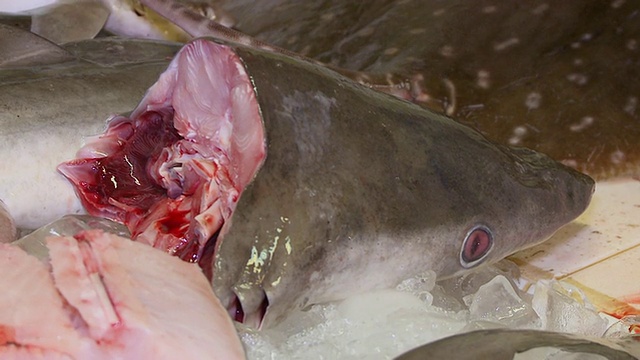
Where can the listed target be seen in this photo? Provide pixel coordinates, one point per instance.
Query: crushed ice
(386, 323)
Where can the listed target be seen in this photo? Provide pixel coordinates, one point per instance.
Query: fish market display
(106, 297)
(311, 184)
(291, 186)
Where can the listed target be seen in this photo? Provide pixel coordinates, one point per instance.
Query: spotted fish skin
(559, 77)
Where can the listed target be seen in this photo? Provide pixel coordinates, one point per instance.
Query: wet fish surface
(504, 344)
(8, 228)
(561, 78)
(307, 187)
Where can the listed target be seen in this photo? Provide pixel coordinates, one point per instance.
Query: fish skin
(504, 344)
(8, 228)
(48, 111)
(357, 182)
(21, 48)
(572, 60)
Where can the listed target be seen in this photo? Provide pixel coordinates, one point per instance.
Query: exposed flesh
(174, 171)
(107, 297)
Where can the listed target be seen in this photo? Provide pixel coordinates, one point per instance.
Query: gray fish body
(358, 183)
(504, 344)
(48, 110)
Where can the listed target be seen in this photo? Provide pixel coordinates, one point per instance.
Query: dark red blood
(124, 176)
(175, 223)
(121, 181)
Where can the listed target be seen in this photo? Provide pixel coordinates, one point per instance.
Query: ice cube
(460, 286)
(627, 327)
(498, 301)
(564, 308)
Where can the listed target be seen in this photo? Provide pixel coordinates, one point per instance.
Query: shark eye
(476, 246)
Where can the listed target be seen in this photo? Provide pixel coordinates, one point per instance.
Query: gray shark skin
(359, 190)
(504, 344)
(561, 78)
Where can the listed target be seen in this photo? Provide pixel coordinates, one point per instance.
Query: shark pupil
(476, 246)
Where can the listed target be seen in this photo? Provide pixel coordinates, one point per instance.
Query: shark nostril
(249, 308)
(235, 310)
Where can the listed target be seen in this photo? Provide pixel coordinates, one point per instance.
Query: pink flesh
(30, 353)
(28, 300)
(108, 297)
(174, 171)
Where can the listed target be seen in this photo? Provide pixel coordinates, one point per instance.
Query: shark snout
(567, 191)
(578, 189)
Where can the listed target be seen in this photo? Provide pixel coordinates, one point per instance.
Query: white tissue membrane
(386, 323)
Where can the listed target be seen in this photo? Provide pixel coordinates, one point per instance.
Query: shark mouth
(173, 170)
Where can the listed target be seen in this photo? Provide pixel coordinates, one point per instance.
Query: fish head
(360, 190)
(502, 200)
(292, 185)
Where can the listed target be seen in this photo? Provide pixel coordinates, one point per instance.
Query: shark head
(510, 206)
(292, 185)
